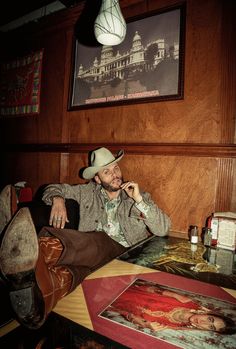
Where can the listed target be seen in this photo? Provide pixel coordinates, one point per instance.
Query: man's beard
(110, 187)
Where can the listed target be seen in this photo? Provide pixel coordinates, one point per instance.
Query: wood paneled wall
(182, 151)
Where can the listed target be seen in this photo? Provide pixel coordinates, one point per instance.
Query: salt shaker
(194, 234)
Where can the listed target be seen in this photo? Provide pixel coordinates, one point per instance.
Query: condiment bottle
(207, 237)
(194, 234)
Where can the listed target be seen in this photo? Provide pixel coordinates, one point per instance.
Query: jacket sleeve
(66, 191)
(157, 221)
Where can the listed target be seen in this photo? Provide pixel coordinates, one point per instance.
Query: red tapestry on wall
(20, 85)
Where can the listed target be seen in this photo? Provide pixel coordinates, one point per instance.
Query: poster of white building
(147, 65)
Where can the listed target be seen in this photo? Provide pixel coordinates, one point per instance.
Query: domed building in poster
(123, 65)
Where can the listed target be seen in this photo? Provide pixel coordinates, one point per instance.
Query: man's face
(110, 178)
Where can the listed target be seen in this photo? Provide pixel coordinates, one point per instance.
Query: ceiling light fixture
(110, 26)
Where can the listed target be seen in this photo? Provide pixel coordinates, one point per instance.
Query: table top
(74, 306)
(99, 289)
(168, 262)
(178, 256)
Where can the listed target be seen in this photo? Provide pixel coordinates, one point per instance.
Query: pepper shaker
(207, 237)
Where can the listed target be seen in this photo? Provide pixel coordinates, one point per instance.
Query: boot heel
(21, 301)
(28, 305)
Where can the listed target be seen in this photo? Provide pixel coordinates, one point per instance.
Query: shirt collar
(106, 197)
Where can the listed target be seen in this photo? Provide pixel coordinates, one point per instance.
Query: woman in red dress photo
(151, 306)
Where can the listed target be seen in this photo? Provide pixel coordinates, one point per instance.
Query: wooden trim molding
(224, 187)
(168, 149)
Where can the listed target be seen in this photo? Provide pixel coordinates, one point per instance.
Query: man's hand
(132, 190)
(58, 216)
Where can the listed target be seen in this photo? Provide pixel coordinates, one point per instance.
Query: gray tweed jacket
(134, 226)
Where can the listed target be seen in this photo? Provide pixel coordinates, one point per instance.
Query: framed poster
(20, 85)
(147, 66)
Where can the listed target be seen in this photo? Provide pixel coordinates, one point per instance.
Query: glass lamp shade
(110, 26)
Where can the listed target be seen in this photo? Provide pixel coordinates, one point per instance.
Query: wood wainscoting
(188, 181)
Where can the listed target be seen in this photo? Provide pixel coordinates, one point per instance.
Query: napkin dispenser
(223, 226)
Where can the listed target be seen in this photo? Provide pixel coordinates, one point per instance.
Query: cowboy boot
(8, 205)
(18, 257)
(35, 286)
(53, 280)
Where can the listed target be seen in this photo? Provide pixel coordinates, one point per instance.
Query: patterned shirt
(112, 226)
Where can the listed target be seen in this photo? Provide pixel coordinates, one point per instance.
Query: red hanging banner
(20, 85)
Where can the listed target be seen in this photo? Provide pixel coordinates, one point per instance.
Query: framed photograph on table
(175, 316)
(161, 310)
(147, 66)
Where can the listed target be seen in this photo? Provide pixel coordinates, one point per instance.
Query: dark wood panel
(35, 168)
(202, 150)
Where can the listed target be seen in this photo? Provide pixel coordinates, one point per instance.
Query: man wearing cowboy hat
(114, 215)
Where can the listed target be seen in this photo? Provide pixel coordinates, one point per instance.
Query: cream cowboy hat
(100, 159)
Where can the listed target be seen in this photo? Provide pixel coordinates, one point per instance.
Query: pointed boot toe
(18, 257)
